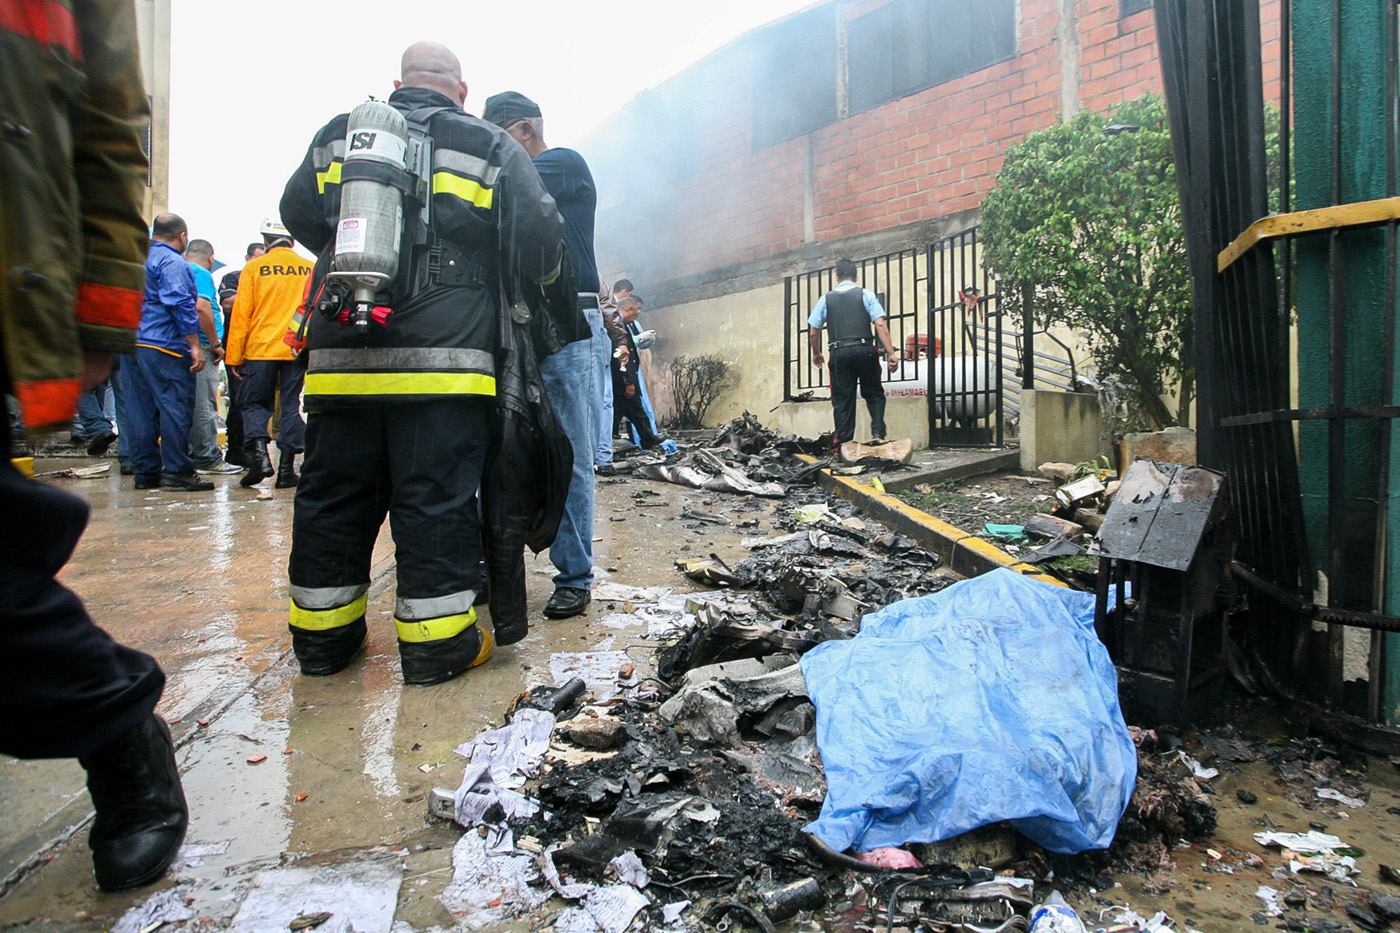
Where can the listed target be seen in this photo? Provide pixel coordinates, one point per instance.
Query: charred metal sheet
(1160, 514)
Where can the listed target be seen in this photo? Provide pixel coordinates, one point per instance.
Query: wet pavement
(199, 581)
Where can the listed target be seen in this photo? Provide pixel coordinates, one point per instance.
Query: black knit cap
(509, 106)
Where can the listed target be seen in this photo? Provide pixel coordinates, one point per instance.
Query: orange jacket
(270, 289)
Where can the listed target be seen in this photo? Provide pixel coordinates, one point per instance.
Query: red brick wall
(908, 161)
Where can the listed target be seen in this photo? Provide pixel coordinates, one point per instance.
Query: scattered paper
(1331, 793)
(670, 913)
(514, 751)
(192, 855)
(609, 909)
(361, 896)
(1305, 843)
(1340, 868)
(595, 667)
(1270, 898)
(165, 907)
(630, 870)
(622, 593)
(1200, 772)
(488, 888)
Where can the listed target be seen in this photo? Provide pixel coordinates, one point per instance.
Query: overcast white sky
(252, 80)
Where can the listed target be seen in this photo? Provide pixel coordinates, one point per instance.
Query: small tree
(1092, 220)
(696, 381)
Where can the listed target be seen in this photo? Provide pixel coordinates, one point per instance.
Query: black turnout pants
(849, 366)
(421, 464)
(66, 687)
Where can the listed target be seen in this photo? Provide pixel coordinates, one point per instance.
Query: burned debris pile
(747, 458)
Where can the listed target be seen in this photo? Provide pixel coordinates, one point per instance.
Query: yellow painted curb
(24, 464)
(962, 551)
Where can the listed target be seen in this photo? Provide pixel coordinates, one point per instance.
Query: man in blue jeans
(573, 376)
(160, 377)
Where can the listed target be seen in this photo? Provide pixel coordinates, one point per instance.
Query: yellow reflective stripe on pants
(335, 383)
(470, 191)
(331, 176)
(435, 629)
(320, 620)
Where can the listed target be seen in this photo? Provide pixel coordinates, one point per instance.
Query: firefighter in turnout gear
(401, 372)
(853, 319)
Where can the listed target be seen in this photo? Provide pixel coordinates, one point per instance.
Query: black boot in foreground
(256, 459)
(286, 471)
(141, 810)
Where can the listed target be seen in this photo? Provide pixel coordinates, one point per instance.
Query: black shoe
(433, 662)
(235, 456)
(186, 481)
(257, 462)
(141, 810)
(567, 601)
(147, 481)
(127, 469)
(328, 652)
(97, 447)
(286, 471)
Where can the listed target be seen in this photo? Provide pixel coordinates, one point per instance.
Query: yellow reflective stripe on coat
(435, 629)
(321, 620)
(337, 383)
(470, 191)
(331, 176)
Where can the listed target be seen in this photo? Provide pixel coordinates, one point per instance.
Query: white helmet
(273, 228)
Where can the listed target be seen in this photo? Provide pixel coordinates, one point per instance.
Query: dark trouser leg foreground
(67, 690)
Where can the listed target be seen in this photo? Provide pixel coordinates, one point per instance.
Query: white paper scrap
(1331, 793)
(165, 907)
(1311, 841)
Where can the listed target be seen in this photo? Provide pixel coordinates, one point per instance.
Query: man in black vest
(854, 318)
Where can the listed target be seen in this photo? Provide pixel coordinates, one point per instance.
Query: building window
(910, 45)
(1129, 7)
(794, 88)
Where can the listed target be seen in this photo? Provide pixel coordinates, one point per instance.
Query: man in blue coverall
(160, 376)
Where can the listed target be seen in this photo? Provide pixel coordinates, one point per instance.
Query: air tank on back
(371, 210)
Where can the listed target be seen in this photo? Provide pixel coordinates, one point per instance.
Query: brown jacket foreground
(72, 240)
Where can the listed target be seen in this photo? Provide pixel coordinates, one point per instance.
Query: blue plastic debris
(990, 700)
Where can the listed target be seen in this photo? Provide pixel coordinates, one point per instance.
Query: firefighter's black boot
(433, 662)
(286, 471)
(141, 811)
(257, 462)
(328, 652)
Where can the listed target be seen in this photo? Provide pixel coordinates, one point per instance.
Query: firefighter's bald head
(432, 65)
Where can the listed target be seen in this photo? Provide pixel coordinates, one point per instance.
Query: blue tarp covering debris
(990, 700)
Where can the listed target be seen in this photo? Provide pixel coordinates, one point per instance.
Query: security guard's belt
(851, 342)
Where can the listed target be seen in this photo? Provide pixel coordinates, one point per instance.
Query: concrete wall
(1064, 427)
(153, 32)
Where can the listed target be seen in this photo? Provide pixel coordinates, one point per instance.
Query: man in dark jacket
(72, 244)
(627, 395)
(398, 417)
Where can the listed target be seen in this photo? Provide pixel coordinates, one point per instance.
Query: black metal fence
(899, 280)
(1211, 53)
(965, 338)
(943, 320)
